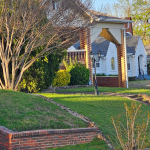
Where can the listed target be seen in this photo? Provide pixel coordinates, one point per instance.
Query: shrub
(79, 75)
(100, 74)
(41, 74)
(70, 64)
(133, 135)
(32, 80)
(62, 78)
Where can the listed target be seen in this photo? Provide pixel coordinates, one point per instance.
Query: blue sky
(98, 3)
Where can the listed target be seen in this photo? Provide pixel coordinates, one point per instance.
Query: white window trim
(114, 64)
(129, 63)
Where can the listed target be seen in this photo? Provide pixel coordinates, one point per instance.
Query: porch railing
(79, 55)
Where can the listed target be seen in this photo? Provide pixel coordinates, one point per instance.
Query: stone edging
(100, 135)
(71, 87)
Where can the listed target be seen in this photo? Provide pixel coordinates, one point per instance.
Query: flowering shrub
(62, 78)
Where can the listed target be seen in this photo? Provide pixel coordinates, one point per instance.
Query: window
(128, 62)
(97, 65)
(112, 63)
(93, 65)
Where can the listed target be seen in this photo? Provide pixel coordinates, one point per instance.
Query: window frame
(129, 63)
(113, 65)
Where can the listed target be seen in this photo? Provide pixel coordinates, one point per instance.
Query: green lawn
(96, 144)
(108, 89)
(20, 112)
(98, 108)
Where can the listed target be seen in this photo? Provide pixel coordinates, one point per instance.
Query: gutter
(124, 29)
(119, 21)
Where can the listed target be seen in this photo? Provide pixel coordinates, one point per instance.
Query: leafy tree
(27, 25)
(141, 16)
(139, 11)
(41, 74)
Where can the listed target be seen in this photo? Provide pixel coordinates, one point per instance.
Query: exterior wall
(102, 67)
(44, 139)
(107, 81)
(140, 51)
(97, 29)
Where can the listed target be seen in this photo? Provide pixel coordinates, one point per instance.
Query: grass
(21, 112)
(108, 89)
(96, 144)
(98, 108)
(142, 84)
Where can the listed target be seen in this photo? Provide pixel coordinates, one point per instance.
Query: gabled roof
(147, 48)
(102, 45)
(132, 42)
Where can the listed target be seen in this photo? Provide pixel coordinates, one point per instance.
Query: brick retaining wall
(107, 81)
(43, 139)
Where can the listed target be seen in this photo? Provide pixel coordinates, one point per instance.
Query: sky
(98, 3)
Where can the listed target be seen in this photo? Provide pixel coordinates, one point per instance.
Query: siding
(140, 51)
(105, 64)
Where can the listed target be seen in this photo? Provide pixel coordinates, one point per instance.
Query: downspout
(124, 29)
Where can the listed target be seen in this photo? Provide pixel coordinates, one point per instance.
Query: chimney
(130, 26)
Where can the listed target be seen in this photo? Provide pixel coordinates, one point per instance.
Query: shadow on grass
(99, 109)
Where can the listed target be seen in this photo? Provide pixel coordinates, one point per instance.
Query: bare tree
(26, 25)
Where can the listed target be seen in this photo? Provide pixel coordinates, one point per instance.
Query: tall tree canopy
(139, 10)
(141, 18)
(28, 25)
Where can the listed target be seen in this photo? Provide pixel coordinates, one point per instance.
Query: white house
(108, 64)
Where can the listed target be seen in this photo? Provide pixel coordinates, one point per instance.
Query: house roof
(101, 45)
(100, 17)
(147, 48)
(132, 42)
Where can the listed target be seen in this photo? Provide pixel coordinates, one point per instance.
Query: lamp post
(94, 60)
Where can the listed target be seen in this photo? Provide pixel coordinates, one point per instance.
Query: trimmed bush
(79, 75)
(62, 78)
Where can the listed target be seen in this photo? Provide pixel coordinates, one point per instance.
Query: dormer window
(54, 5)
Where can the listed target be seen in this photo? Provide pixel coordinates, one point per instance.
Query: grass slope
(98, 108)
(21, 112)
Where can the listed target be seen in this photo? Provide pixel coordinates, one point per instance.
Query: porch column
(85, 43)
(121, 62)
